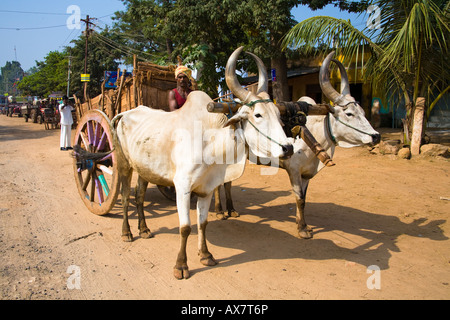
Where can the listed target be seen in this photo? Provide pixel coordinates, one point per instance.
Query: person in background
(66, 122)
(178, 96)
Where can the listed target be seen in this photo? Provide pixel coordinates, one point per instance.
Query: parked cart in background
(51, 118)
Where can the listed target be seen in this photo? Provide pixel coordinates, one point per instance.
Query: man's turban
(184, 70)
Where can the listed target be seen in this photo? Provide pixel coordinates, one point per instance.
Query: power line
(114, 45)
(34, 12)
(33, 28)
(39, 28)
(121, 47)
(76, 35)
(48, 13)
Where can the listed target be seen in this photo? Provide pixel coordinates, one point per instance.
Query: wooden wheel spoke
(85, 140)
(104, 184)
(92, 194)
(98, 129)
(98, 188)
(102, 142)
(90, 131)
(105, 169)
(86, 182)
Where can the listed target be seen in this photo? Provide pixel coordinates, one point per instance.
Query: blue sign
(274, 75)
(111, 78)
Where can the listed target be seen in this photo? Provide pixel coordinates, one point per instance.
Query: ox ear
(236, 118)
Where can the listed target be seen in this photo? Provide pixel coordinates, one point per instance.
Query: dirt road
(368, 210)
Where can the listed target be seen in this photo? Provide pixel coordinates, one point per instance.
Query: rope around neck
(333, 138)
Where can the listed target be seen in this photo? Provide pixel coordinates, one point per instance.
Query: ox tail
(113, 126)
(83, 155)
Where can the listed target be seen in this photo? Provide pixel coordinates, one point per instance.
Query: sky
(30, 29)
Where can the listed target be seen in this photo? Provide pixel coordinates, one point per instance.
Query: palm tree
(408, 46)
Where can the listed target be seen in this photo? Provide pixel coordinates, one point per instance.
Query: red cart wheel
(97, 181)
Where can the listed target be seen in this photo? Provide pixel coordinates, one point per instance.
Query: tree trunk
(417, 130)
(169, 48)
(408, 123)
(280, 85)
(278, 62)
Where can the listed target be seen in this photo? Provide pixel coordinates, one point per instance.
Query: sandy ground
(368, 210)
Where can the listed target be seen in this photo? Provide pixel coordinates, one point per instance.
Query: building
(303, 80)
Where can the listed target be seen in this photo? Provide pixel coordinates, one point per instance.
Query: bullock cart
(26, 111)
(51, 118)
(97, 181)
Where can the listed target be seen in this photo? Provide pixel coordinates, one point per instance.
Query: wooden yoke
(293, 115)
(312, 110)
(316, 147)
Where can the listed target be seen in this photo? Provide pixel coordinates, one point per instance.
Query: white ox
(190, 149)
(345, 126)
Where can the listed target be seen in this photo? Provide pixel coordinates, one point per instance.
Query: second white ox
(161, 147)
(345, 126)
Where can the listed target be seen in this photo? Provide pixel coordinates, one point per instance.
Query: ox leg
(181, 269)
(231, 211)
(125, 181)
(300, 186)
(206, 257)
(141, 188)
(304, 231)
(218, 204)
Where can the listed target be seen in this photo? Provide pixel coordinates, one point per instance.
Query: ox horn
(232, 80)
(345, 86)
(263, 80)
(325, 84)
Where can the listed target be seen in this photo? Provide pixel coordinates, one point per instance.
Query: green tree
(11, 73)
(144, 28)
(51, 75)
(205, 33)
(101, 57)
(266, 22)
(205, 37)
(409, 49)
(197, 31)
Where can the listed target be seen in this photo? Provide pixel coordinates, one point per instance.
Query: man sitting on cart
(178, 96)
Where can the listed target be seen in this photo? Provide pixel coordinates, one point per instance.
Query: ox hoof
(127, 237)
(221, 216)
(305, 233)
(208, 261)
(146, 234)
(233, 214)
(181, 272)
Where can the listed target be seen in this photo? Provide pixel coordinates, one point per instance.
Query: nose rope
(265, 135)
(251, 105)
(346, 124)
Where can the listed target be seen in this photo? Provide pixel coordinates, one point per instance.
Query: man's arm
(172, 101)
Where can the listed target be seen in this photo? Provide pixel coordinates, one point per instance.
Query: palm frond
(328, 31)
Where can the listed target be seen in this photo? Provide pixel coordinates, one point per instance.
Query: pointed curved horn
(263, 82)
(345, 86)
(324, 80)
(231, 78)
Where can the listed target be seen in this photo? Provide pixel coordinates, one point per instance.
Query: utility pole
(68, 75)
(86, 33)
